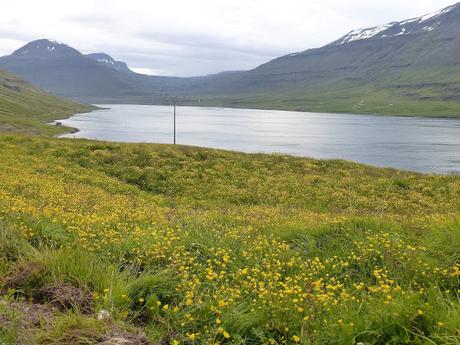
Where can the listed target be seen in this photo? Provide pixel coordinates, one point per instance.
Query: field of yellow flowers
(181, 245)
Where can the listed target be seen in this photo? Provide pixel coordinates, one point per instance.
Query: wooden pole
(174, 122)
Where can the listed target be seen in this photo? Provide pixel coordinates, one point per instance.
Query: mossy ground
(201, 246)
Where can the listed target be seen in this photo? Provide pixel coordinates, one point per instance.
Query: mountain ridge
(109, 61)
(409, 67)
(45, 47)
(426, 22)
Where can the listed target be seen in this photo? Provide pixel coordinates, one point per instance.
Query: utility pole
(174, 103)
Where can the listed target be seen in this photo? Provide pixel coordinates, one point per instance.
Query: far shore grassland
(110, 243)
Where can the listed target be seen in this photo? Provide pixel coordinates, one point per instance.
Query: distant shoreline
(71, 130)
(248, 107)
(157, 129)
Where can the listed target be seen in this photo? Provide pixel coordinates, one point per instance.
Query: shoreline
(67, 129)
(204, 105)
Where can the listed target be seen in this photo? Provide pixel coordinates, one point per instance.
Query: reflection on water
(425, 145)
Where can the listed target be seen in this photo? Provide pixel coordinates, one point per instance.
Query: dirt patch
(120, 337)
(28, 279)
(28, 317)
(32, 314)
(65, 297)
(25, 317)
(25, 275)
(6, 322)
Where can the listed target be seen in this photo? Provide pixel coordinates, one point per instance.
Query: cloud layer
(186, 37)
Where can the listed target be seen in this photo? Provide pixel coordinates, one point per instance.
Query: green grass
(353, 100)
(430, 91)
(26, 109)
(201, 246)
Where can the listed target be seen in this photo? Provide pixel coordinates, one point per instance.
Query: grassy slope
(26, 109)
(430, 92)
(200, 246)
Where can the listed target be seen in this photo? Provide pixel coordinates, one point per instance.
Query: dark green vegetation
(407, 68)
(26, 109)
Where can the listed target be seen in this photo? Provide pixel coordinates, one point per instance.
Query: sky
(191, 37)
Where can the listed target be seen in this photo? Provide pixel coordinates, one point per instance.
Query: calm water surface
(419, 144)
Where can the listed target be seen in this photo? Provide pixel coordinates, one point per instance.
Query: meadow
(107, 243)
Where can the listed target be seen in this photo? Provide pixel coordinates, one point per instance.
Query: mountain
(42, 49)
(430, 40)
(108, 61)
(24, 108)
(414, 26)
(65, 71)
(410, 67)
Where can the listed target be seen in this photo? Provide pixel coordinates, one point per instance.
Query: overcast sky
(191, 37)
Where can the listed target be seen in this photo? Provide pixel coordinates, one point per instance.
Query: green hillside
(413, 99)
(26, 109)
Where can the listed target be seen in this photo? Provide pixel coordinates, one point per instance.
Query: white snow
(363, 34)
(429, 28)
(429, 16)
(408, 21)
(403, 32)
(435, 14)
(106, 61)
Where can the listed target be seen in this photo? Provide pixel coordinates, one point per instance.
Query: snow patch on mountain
(393, 29)
(106, 61)
(45, 45)
(362, 34)
(45, 48)
(432, 27)
(49, 45)
(435, 14)
(109, 61)
(403, 32)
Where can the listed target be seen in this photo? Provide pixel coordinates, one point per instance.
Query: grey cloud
(92, 19)
(187, 37)
(209, 42)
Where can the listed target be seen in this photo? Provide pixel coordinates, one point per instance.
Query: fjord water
(418, 144)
